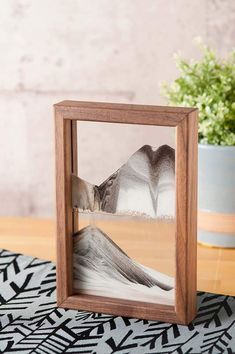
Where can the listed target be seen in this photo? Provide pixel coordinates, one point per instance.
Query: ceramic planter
(216, 199)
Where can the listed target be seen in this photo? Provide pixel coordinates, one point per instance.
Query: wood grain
(63, 136)
(181, 220)
(185, 121)
(122, 307)
(69, 105)
(37, 238)
(74, 164)
(122, 113)
(192, 181)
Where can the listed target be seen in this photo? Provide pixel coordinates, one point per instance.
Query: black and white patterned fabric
(30, 322)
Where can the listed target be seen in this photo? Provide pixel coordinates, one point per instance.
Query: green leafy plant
(209, 85)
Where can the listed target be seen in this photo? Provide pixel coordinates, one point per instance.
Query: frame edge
(184, 313)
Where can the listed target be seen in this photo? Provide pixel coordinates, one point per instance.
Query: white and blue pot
(216, 199)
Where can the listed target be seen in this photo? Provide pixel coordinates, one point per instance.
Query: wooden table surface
(36, 237)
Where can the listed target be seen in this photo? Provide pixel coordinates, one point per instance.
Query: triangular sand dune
(102, 268)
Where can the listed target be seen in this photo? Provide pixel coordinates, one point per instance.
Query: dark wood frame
(185, 122)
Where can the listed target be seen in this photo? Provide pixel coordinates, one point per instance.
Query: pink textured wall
(101, 50)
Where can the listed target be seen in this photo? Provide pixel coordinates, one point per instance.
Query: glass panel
(124, 194)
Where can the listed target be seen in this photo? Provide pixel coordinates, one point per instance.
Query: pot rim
(216, 147)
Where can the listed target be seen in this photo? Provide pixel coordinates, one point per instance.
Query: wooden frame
(185, 122)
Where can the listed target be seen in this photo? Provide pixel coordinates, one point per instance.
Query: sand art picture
(124, 197)
(126, 209)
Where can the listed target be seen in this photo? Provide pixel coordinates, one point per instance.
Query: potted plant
(209, 85)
